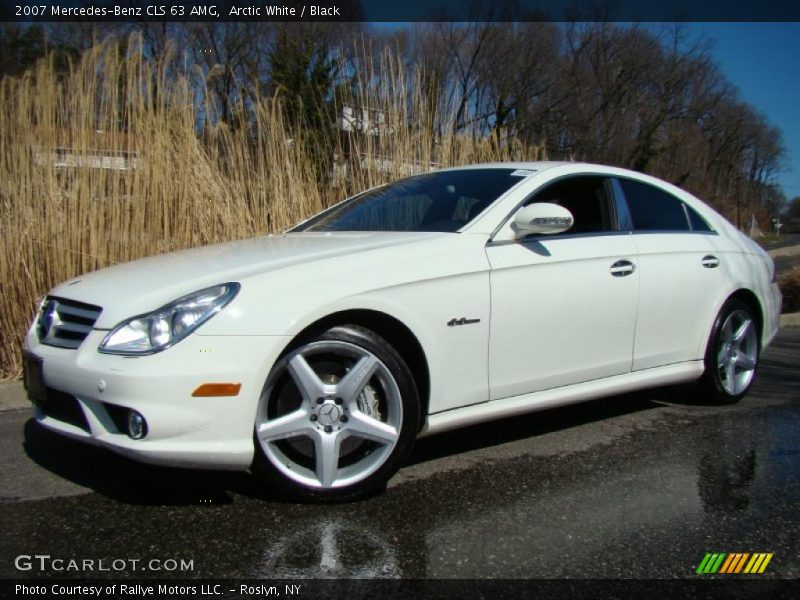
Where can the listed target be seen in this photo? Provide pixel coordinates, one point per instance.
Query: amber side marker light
(217, 389)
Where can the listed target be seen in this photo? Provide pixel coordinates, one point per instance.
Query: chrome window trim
(686, 215)
(671, 232)
(620, 203)
(534, 238)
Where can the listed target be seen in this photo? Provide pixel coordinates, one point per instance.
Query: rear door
(679, 275)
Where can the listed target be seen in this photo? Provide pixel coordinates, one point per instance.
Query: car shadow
(503, 431)
(130, 482)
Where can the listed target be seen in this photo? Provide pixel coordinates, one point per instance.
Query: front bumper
(185, 431)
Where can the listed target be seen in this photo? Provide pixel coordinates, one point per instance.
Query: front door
(563, 307)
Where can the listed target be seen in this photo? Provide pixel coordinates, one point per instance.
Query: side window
(697, 222)
(586, 197)
(652, 209)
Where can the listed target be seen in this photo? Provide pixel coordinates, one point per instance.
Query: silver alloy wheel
(329, 413)
(737, 352)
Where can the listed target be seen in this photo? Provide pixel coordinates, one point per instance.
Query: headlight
(162, 328)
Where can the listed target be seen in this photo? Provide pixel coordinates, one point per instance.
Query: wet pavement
(641, 486)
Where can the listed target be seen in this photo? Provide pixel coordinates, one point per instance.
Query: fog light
(137, 427)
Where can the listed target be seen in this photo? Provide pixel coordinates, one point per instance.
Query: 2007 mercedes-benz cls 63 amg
(318, 356)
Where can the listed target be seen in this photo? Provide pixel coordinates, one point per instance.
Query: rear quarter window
(653, 209)
(697, 222)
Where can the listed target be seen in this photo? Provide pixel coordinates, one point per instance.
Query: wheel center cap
(328, 414)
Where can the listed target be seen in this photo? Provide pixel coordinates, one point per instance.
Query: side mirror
(542, 217)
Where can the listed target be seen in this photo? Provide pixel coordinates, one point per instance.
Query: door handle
(710, 261)
(622, 268)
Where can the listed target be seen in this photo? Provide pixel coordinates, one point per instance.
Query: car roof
(528, 166)
(610, 171)
(576, 166)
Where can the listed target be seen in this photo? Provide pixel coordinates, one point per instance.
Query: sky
(763, 61)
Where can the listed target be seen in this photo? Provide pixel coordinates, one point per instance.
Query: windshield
(440, 201)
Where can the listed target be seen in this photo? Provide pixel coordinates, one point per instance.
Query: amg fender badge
(462, 321)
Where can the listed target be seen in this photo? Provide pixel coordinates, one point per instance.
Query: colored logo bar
(735, 562)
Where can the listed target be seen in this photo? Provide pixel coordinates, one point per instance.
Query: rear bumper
(182, 430)
(772, 314)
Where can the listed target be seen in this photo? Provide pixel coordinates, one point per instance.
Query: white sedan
(318, 356)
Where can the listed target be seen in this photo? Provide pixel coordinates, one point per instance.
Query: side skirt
(572, 394)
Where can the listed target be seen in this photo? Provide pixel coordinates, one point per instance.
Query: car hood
(143, 285)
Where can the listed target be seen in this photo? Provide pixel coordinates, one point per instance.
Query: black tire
(714, 387)
(291, 466)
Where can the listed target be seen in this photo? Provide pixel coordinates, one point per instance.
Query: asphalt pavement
(784, 241)
(635, 486)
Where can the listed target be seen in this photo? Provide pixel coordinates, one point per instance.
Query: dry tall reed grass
(190, 180)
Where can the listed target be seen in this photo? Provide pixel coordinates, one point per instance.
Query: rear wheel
(732, 354)
(337, 417)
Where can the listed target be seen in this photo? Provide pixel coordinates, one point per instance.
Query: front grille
(66, 323)
(64, 407)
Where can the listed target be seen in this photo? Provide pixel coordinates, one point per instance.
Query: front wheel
(732, 354)
(337, 417)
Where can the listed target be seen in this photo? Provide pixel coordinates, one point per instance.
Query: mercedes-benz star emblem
(328, 414)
